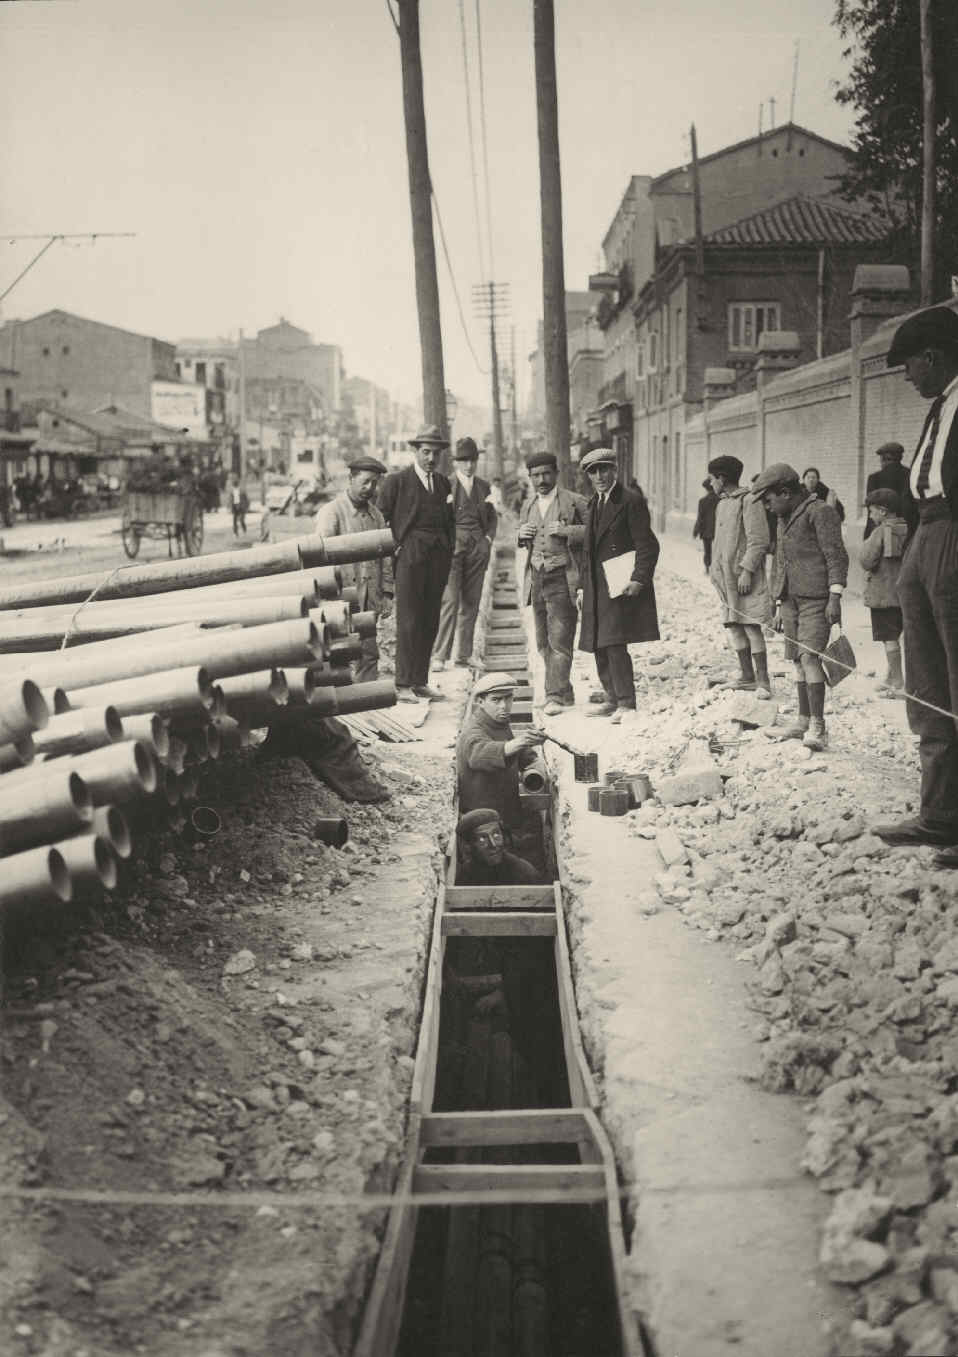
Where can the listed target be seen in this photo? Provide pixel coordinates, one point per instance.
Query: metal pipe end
(81, 797)
(105, 862)
(145, 766)
(34, 704)
(160, 735)
(111, 823)
(61, 703)
(205, 686)
(279, 688)
(112, 724)
(59, 876)
(219, 701)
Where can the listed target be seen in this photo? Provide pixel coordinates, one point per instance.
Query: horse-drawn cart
(175, 513)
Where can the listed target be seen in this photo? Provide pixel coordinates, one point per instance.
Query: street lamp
(452, 405)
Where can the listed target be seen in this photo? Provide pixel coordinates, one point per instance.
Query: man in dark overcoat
(417, 504)
(617, 525)
(926, 344)
(892, 476)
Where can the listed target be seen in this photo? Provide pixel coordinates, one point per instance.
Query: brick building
(283, 350)
(75, 363)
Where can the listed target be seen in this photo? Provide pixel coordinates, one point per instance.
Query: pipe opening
(160, 735)
(278, 687)
(81, 797)
(113, 826)
(59, 876)
(105, 863)
(35, 704)
(145, 766)
(113, 724)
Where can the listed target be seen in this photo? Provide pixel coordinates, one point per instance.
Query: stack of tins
(110, 704)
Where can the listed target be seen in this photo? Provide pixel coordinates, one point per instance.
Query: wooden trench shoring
(525, 1134)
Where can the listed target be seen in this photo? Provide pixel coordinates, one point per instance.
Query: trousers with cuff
(614, 667)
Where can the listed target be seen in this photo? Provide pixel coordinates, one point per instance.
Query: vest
(544, 555)
(468, 523)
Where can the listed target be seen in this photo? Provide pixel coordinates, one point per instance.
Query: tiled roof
(801, 221)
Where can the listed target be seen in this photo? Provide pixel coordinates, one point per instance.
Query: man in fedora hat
(551, 529)
(926, 344)
(417, 504)
(618, 528)
(354, 510)
(476, 521)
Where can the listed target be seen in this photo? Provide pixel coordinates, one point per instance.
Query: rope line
(89, 599)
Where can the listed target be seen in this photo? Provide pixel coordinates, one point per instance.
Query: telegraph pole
(491, 301)
(515, 407)
(242, 411)
(555, 346)
(927, 155)
(420, 200)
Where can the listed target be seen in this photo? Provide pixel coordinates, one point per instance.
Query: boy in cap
(476, 520)
(490, 757)
(738, 572)
(416, 502)
(880, 556)
(926, 344)
(551, 528)
(354, 510)
(486, 860)
(891, 475)
(808, 580)
(618, 527)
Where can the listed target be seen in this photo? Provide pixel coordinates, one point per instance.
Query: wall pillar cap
(719, 377)
(881, 280)
(779, 342)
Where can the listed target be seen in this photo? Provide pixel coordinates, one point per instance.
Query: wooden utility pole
(420, 199)
(697, 205)
(241, 358)
(555, 346)
(927, 154)
(515, 402)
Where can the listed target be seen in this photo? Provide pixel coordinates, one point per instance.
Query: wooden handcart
(174, 514)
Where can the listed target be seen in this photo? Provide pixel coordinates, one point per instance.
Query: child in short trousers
(880, 555)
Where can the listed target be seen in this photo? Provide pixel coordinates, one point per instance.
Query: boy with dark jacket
(880, 556)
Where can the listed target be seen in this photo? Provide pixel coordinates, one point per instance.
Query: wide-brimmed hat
(466, 450)
(935, 328)
(598, 457)
(429, 436)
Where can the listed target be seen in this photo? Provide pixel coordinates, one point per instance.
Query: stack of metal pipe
(115, 690)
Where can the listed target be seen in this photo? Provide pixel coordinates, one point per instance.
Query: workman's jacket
(880, 556)
(373, 579)
(810, 555)
(568, 509)
(488, 780)
(511, 871)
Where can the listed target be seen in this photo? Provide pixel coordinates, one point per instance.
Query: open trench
(506, 1237)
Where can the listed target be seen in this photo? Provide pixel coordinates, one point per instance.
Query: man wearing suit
(417, 504)
(476, 521)
(927, 345)
(617, 525)
(551, 528)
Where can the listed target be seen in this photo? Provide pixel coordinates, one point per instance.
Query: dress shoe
(606, 709)
(948, 857)
(427, 694)
(796, 731)
(914, 834)
(406, 695)
(553, 708)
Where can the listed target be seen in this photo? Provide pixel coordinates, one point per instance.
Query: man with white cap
(490, 757)
(618, 529)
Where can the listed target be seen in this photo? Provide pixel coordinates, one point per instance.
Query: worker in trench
(489, 759)
(484, 858)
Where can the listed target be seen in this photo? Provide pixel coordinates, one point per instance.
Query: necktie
(924, 471)
(429, 481)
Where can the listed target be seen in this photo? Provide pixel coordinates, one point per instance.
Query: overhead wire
(452, 279)
(485, 142)
(467, 84)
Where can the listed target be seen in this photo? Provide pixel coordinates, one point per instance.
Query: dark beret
(366, 464)
(729, 467)
(936, 328)
(472, 820)
(466, 450)
(890, 450)
(884, 499)
(542, 459)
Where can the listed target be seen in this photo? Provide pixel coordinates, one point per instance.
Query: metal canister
(613, 802)
(594, 793)
(586, 767)
(613, 776)
(641, 787)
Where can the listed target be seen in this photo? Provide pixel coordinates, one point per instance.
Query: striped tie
(924, 471)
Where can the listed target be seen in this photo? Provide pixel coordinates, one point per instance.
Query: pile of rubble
(855, 950)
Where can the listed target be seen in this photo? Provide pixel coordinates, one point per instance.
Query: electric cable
(485, 143)
(472, 146)
(452, 279)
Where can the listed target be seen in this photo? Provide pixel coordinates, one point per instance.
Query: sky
(256, 148)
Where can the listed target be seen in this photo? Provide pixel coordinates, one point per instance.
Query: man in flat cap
(808, 579)
(490, 757)
(485, 859)
(354, 510)
(619, 544)
(926, 344)
(891, 475)
(551, 528)
(738, 572)
(417, 504)
(476, 521)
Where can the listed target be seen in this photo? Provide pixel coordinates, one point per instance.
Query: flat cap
(494, 683)
(541, 459)
(884, 499)
(431, 435)
(779, 473)
(730, 468)
(932, 329)
(598, 457)
(466, 450)
(367, 464)
(890, 450)
(474, 819)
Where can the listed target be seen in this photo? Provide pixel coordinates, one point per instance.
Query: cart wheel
(193, 532)
(131, 538)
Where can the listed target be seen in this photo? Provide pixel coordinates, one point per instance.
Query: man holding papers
(618, 598)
